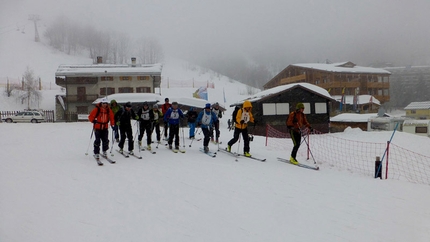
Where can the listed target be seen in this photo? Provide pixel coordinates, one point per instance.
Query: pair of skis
(299, 164)
(209, 153)
(141, 148)
(100, 163)
(225, 151)
(127, 155)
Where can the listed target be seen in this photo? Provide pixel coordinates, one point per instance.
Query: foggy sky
(364, 31)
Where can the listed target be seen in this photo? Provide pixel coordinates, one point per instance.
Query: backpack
(234, 114)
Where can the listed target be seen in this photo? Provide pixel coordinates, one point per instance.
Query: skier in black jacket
(146, 116)
(123, 120)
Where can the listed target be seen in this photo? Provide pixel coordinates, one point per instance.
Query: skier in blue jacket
(173, 116)
(206, 120)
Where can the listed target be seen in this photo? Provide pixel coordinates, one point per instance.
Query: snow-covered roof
(361, 99)
(338, 67)
(266, 93)
(189, 101)
(108, 70)
(122, 98)
(416, 122)
(418, 105)
(353, 117)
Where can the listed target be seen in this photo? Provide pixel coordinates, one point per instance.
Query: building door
(81, 94)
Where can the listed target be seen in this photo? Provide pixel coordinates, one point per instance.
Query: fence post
(267, 133)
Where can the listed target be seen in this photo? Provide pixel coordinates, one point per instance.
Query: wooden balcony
(378, 85)
(328, 85)
(81, 98)
(75, 80)
(293, 79)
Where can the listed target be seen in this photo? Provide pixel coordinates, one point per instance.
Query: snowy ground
(51, 191)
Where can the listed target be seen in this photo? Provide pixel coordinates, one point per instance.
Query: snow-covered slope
(51, 191)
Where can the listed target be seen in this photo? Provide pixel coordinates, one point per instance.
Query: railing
(293, 79)
(81, 98)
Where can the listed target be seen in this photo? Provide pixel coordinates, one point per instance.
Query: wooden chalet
(344, 78)
(272, 107)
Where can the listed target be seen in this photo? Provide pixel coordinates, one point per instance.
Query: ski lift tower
(35, 18)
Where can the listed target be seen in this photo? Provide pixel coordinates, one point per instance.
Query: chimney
(133, 61)
(99, 60)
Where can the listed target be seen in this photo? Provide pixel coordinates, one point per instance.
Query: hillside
(19, 51)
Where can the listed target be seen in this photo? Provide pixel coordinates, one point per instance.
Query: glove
(311, 129)
(117, 123)
(94, 121)
(113, 128)
(242, 121)
(137, 117)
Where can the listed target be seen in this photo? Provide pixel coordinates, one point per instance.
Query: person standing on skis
(164, 109)
(172, 117)
(218, 113)
(205, 120)
(146, 116)
(115, 108)
(156, 121)
(243, 116)
(295, 122)
(124, 117)
(101, 116)
(191, 119)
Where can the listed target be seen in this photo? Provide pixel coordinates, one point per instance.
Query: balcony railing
(75, 80)
(81, 98)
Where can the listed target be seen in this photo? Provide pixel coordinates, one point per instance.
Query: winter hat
(128, 104)
(300, 106)
(113, 101)
(166, 99)
(155, 106)
(208, 105)
(145, 104)
(174, 103)
(104, 100)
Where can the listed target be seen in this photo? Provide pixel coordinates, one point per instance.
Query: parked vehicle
(26, 117)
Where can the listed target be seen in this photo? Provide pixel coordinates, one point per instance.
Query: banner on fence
(201, 93)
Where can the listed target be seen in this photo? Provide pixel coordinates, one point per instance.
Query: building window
(82, 109)
(276, 108)
(269, 109)
(125, 78)
(143, 78)
(125, 90)
(143, 90)
(307, 108)
(110, 90)
(106, 78)
(421, 130)
(413, 111)
(320, 108)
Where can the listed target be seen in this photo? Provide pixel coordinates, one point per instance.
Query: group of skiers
(207, 120)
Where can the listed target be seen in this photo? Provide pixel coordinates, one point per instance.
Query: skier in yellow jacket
(243, 116)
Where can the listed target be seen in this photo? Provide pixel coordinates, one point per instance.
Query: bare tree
(30, 91)
(149, 50)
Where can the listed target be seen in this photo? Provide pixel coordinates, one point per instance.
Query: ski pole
(193, 139)
(162, 135)
(307, 143)
(89, 142)
(113, 141)
(137, 132)
(183, 137)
